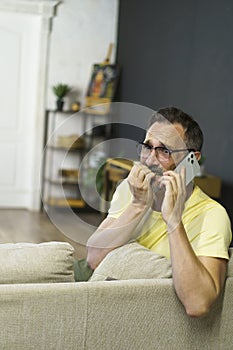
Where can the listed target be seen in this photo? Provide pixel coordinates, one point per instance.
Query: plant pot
(60, 104)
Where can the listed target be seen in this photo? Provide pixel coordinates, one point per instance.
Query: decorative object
(69, 173)
(69, 176)
(103, 80)
(72, 141)
(75, 106)
(101, 88)
(61, 90)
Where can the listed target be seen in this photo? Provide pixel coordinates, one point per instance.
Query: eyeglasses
(163, 154)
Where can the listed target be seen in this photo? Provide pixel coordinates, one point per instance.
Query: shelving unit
(69, 137)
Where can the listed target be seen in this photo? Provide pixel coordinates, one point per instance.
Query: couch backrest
(230, 264)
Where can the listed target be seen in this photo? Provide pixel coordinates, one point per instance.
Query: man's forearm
(121, 230)
(110, 236)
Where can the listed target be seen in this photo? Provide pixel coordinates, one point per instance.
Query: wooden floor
(25, 226)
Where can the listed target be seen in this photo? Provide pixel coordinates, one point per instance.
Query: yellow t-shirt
(205, 221)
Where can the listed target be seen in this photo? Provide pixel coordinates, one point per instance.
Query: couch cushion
(230, 264)
(132, 261)
(36, 263)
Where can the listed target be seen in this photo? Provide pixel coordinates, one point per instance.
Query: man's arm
(113, 233)
(198, 280)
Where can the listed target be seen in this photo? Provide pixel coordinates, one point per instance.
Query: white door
(19, 46)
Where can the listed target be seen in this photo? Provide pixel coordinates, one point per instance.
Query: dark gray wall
(181, 53)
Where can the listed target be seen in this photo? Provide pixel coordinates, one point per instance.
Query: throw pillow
(132, 261)
(36, 263)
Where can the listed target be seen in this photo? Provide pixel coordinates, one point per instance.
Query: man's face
(170, 136)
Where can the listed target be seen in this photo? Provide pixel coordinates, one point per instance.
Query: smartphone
(191, 165)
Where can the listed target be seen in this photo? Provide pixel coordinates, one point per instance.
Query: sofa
(137, 314)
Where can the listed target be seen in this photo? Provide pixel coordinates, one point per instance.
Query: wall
(180, 53)
(82, 32)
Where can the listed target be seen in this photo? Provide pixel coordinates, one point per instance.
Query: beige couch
(111, 315)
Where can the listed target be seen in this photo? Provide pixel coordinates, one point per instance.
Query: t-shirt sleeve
(215, 234)
(120, 200)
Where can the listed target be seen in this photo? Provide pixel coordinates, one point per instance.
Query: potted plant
(61, 90)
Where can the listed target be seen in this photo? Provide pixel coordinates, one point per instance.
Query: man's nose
(152, 159)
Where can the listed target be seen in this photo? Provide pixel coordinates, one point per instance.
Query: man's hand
(174, 198)
(139, 180)
(113, 233)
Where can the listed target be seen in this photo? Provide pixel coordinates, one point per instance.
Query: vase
(60, 104)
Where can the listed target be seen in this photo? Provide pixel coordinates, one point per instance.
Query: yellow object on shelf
(70, 141)
(75, 107)
(69, 173)
(66, 202)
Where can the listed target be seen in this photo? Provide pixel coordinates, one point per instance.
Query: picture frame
(102, 86)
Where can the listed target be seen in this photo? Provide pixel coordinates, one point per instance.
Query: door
(19, 45)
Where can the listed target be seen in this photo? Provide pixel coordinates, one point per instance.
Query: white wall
(82, 32)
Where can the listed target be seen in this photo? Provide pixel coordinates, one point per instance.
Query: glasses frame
(170, 151)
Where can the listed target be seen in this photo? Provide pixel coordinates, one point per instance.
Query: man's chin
(158, 193)
(154, 184)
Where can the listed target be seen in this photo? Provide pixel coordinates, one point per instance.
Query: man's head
(193, 136)
(171, 135)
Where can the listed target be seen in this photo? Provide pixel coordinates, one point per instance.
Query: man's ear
(198, 155)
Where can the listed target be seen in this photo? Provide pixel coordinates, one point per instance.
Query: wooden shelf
(71, 141)
(66, 202)
(69, 149)
(61, 112)
(64, 182)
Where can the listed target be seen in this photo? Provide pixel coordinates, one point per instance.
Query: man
(182, 223)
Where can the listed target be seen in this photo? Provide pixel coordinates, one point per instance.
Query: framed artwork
(102, 86)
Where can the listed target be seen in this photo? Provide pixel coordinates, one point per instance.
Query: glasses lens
(143, 151)
(163, 154)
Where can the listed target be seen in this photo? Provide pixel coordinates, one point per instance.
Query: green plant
(61, 90)
(202, 160)
(100, 179)
(96, 176)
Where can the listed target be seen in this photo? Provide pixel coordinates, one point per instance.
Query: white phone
(191, 165)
